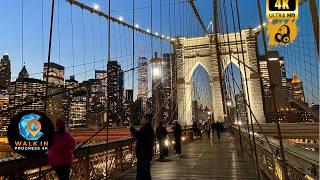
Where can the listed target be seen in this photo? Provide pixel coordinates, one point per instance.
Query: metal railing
(299, 165)
(89, 162)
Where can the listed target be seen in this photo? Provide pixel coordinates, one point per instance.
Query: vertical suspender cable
(59, 39)
(133, 11)
(170, 56)
(72, 42)
(84, 46)
(151, 37)
(109, 47)
(22, 46)
(42, 43)
(49, 54)
(251, 121)
(284, 164)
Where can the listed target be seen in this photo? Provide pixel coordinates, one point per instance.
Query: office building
(143, 81)
(241, 111)
(95, 102)
(297, 88)
(56, 74)
(168, 89)
(128, 106)
(274, 83)
(26, 89)
(5, 72)
(114, 93)
(4, 104)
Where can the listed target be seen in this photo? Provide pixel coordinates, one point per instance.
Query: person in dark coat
(208, 129)
(177, 132)
(60, 154)
(218, 129)
(161, 134)
(195, 129)
(212, 127)
(144, 148)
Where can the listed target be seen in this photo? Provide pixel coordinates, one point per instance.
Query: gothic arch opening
(201, 94)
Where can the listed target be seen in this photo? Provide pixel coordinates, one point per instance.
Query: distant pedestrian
(212, 127)
(218, 129)
(161, 134)
(208, 129)
(177, 132)
(61, 152)
(195, 129)
(144, 148)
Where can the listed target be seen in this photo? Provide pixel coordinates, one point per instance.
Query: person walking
(144, 148)
(208, 129)
(195, 129)
(60, 155)
(218, 129)
(161, 134)
(212, 126)
(177, 132)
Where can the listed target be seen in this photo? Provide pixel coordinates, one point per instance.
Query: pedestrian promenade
(203, 159)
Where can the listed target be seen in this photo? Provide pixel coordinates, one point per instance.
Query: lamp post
(156, 64)
(209, 116)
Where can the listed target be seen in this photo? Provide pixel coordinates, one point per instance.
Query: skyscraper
(5, 72)
(55, 106)
(4, 104)
(114, 93)
(169, 85)
(297, 88)
(143, 80)
(26, 89)
(128, 106)
(168, 70)
(56, 74)
(96, 98)
(274, 74)
(241, 111)
(76, 104)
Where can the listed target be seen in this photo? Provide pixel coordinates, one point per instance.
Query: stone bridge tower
(201, 51)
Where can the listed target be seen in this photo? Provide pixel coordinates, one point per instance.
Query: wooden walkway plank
(203, 159)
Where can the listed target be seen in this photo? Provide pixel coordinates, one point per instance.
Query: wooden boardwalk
(203, 159)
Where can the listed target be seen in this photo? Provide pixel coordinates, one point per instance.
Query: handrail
(20, 164)
(299, 164)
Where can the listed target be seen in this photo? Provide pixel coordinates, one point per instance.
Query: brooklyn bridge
(101, 66)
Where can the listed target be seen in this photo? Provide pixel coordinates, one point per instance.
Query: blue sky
(93, 52)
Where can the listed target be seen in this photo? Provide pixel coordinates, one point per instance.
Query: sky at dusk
(80, 38)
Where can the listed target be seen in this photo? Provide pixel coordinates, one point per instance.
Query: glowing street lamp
(96, 6)
(156, 69)
(121, 18)
(137, 26)
(229, 103)
(156, 64)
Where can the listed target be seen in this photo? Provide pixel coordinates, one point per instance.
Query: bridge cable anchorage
(196, 13)
(113, 19)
